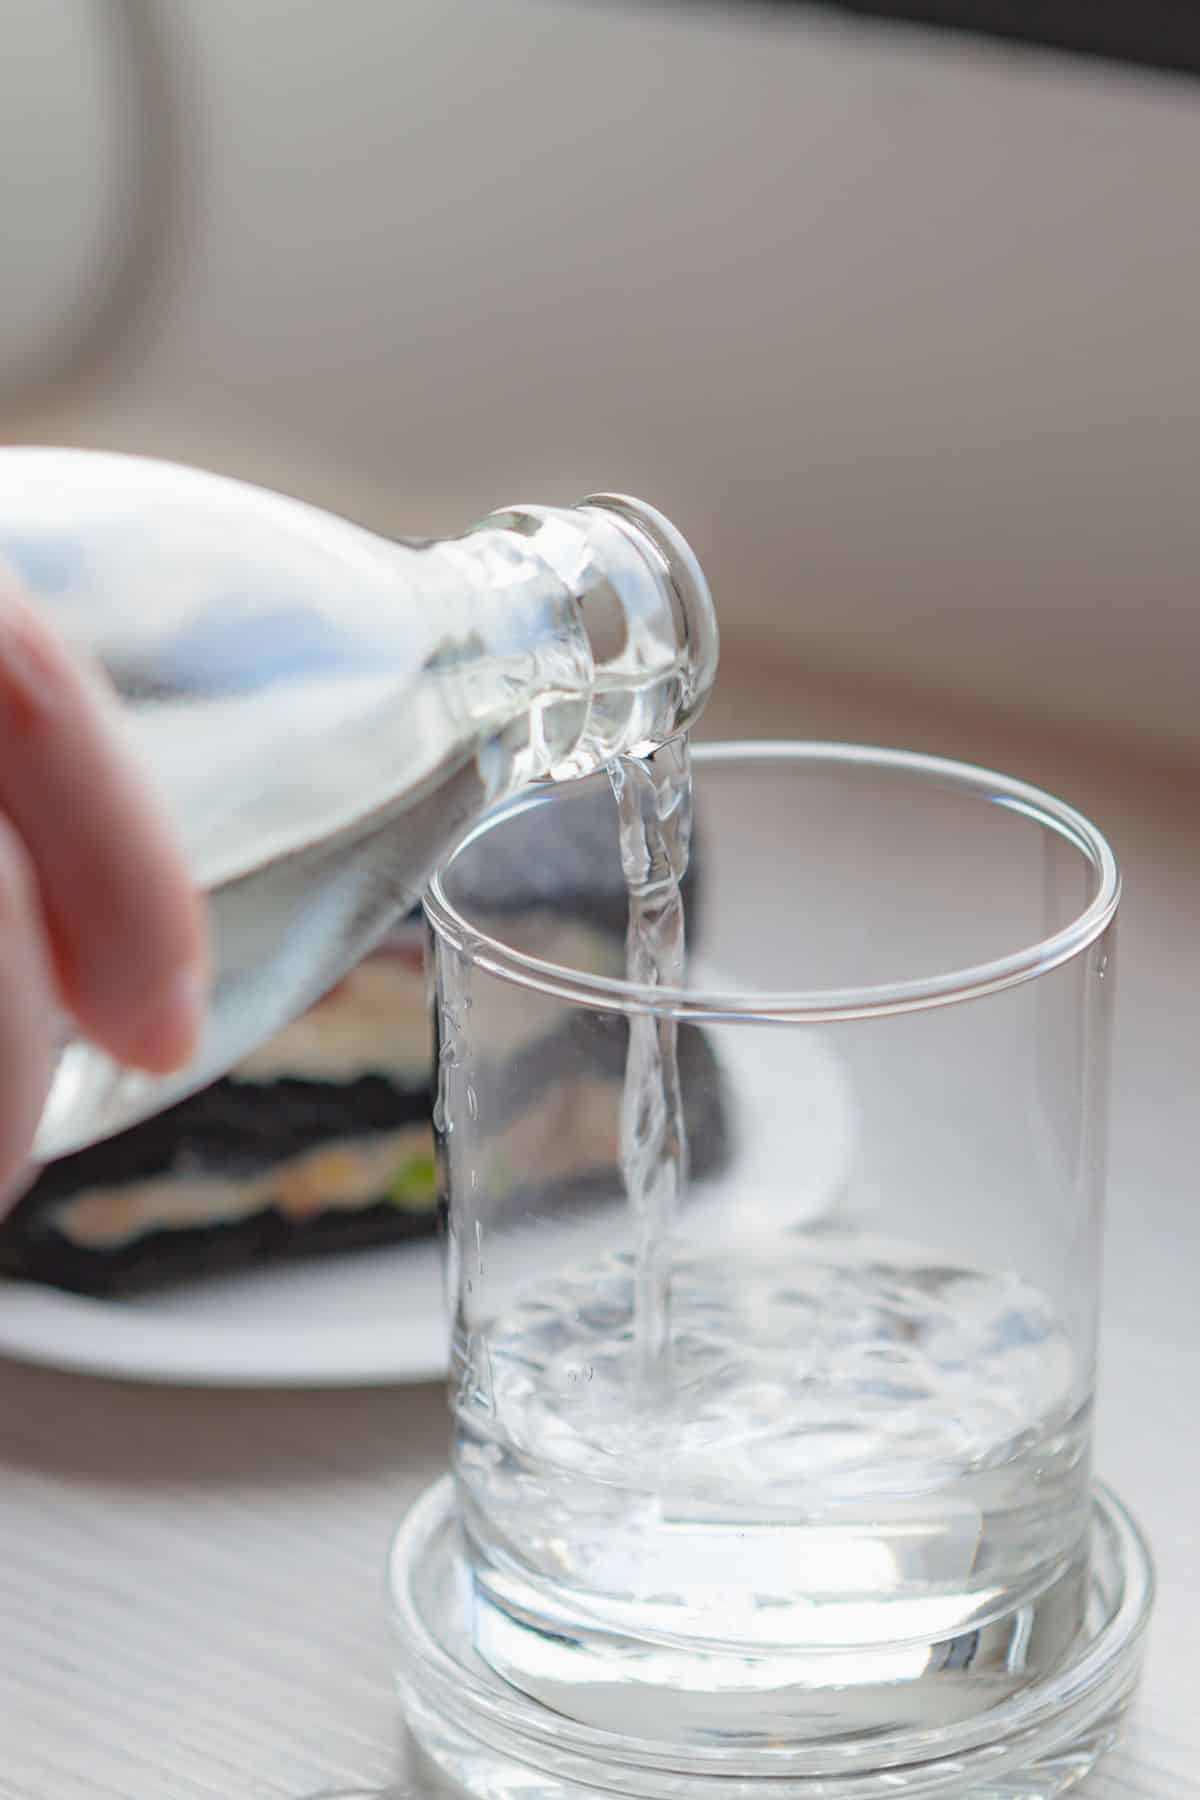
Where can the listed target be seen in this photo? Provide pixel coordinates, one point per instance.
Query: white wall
(903, 332)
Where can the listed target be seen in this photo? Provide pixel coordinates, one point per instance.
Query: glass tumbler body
(854, 1491)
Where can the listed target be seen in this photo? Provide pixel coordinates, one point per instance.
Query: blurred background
(897, 323)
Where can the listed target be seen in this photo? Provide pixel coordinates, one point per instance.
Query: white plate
(378, 1316)
(361, 1319)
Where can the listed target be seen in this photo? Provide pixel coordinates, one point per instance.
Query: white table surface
(191, 1598)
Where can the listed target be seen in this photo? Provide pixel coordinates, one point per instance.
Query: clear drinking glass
(854, 1493)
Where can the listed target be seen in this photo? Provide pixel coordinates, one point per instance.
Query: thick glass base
(979, 1729)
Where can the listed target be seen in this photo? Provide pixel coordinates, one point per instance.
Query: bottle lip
(656, 538)
(568, 541)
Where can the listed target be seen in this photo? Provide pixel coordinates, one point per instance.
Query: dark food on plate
(322, 1139)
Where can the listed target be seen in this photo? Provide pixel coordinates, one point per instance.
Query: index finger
(125, 927)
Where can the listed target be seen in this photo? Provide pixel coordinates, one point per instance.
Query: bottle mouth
(643, 614)
(685, 587)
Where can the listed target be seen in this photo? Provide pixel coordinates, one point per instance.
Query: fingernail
(168, 1031)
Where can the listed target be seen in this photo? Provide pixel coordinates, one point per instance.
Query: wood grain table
(191, 1583)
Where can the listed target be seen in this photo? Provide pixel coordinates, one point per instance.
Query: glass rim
(808, 1006)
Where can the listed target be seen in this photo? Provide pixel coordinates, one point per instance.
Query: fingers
(26, 1001)
(124, 928)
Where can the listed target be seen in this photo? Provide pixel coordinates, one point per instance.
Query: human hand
(97, 915)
